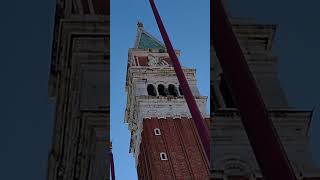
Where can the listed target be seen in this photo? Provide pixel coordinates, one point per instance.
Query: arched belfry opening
(172, 90)
(151, 90)
(162, 90)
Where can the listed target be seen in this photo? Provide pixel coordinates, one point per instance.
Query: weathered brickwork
(180, 141)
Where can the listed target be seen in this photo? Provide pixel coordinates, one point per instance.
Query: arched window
(157, 132)
(180, 90)
(151, 90)
(163, 156)
(162, 90)
(172, 90)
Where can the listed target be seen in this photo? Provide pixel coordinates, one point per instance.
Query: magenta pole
(113, 176)
(193, 107)
(264, 140)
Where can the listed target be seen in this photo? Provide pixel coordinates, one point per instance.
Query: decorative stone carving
(153, 62)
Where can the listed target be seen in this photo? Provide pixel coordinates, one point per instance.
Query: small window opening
(162, 90)
(151, 90)
(172, 90)
(163, 156)
(180, 91)
(157, 132)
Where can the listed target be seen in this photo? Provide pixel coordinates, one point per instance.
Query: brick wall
(180, 141)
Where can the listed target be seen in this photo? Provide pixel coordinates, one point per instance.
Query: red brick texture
(143, 60)
(180, 141)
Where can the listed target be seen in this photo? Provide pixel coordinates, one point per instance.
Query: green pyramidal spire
(146, 41)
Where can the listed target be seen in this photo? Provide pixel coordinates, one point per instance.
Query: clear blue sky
(187, 23)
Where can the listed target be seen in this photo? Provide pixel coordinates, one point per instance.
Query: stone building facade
(232, 157)
(164, 139)
(79, 88)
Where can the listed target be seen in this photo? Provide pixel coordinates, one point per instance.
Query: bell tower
(164, 140)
